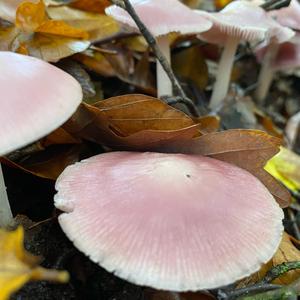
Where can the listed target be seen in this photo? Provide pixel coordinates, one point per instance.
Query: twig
(279, 270)
(126, 5)
(261, 286)
(253, 289)
(275, 4)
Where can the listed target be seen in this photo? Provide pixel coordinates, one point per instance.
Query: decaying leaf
(190, 65)
(160, 295)
(17, 266)
(131, 122)
(34, 33)
(49, 162)
(98, 26)
(248, 149)
(285, 167)
(96, 6)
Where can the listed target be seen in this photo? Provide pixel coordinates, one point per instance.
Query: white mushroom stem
(265, 77)
(6, 217)
(224, 72)
(164, 85)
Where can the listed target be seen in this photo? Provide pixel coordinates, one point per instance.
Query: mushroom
(169, 221)
(36, 98)
(162, 18)
(290, 17)
(239, 20)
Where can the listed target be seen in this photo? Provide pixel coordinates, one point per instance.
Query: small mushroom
(169, 221)
(36, 98)
(162, 18)
(239, 21)
(289, 17)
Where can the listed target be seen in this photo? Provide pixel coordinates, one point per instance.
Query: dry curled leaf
(47, 162)
(132, 122)
(248, 149)
(96, 6)
(37, 35)
(17, 266)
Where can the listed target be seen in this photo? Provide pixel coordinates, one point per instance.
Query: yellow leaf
(62, 29)
(285, 166)
(221, 3)
(97, 6)
(96, 25)
(30, 16)
(52, 48)
(17, 266)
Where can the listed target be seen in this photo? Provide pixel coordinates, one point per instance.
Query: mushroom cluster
(36, 98)
(176, 221)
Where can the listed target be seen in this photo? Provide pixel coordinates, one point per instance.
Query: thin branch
(126, 5)
(275, 4)
(253, 289)
(279, 270)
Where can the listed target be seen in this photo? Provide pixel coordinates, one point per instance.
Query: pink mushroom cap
(36, 98)
(288, 55)
(246, 21)
(288, 16)
(169, 221)
(162, 17)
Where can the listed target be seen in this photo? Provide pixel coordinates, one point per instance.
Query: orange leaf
(30, 16)
(62, 29)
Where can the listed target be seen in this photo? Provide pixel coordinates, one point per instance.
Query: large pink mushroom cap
(162, 17)
(36, 98)
(169, 221)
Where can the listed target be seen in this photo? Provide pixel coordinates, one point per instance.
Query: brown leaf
(190, 64)
(160, 295)
(131, 122)
(134, 113)
(248, 149)
(96, 6)
(48, 163)
(97, 63)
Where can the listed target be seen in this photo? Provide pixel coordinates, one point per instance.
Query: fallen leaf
(160, 295)
(285, 166)
(17, 266)
(221, 3)
(47, 163)
(96, 62)
(133, 113)
(98, 26)
(248, 149)
(189, 64)
(34, 33)
(78, 72)
(96, 6)
(131, 122)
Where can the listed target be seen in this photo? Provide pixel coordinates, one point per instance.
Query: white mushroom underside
(169, 221)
